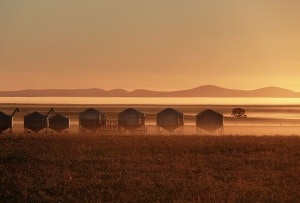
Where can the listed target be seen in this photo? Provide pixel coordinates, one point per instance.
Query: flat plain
(135, 168)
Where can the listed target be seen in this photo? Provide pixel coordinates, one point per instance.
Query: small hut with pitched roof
(37, 121)
(131, 119)
(91, 119)
(59, 122)
(170, 119)
(209, 120)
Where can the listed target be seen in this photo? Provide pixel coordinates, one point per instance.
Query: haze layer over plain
(177, 44)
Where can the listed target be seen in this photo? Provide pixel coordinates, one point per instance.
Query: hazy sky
(152, 44)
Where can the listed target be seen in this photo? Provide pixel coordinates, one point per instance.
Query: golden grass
(149, 168)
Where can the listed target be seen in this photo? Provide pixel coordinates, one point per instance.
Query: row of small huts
(130, 119)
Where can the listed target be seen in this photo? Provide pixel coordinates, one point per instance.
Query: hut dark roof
(4, 115)
(131, 110)
(91, 111)
(209, 112)
(170, 110)
(35, 115)
(59, 116)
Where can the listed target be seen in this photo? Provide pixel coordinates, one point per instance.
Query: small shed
(209, 120)
(91, 119)
(6, 121)
(170, 119)
(131, 119)
(59, 122)
(37, 121)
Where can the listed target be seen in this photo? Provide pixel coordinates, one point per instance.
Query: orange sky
(152, 44)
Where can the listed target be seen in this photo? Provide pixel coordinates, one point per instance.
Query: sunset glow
(159, 45)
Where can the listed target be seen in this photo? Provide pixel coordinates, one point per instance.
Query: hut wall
(89, 119)
(36, 123)
(92, 121)
(131, 118)
(169, 119)
(59, 123)
(5, 123)
(209, 121)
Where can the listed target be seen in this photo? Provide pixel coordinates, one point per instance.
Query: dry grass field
(149, 168)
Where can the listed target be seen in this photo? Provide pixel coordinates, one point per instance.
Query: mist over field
(261, 119)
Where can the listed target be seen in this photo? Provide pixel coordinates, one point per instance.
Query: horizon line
(98, 88)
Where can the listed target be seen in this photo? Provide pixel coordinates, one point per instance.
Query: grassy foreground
(149, 168)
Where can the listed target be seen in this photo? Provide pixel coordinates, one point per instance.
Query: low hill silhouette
(201, 91)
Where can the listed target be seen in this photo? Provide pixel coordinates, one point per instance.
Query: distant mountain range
(201, 91)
